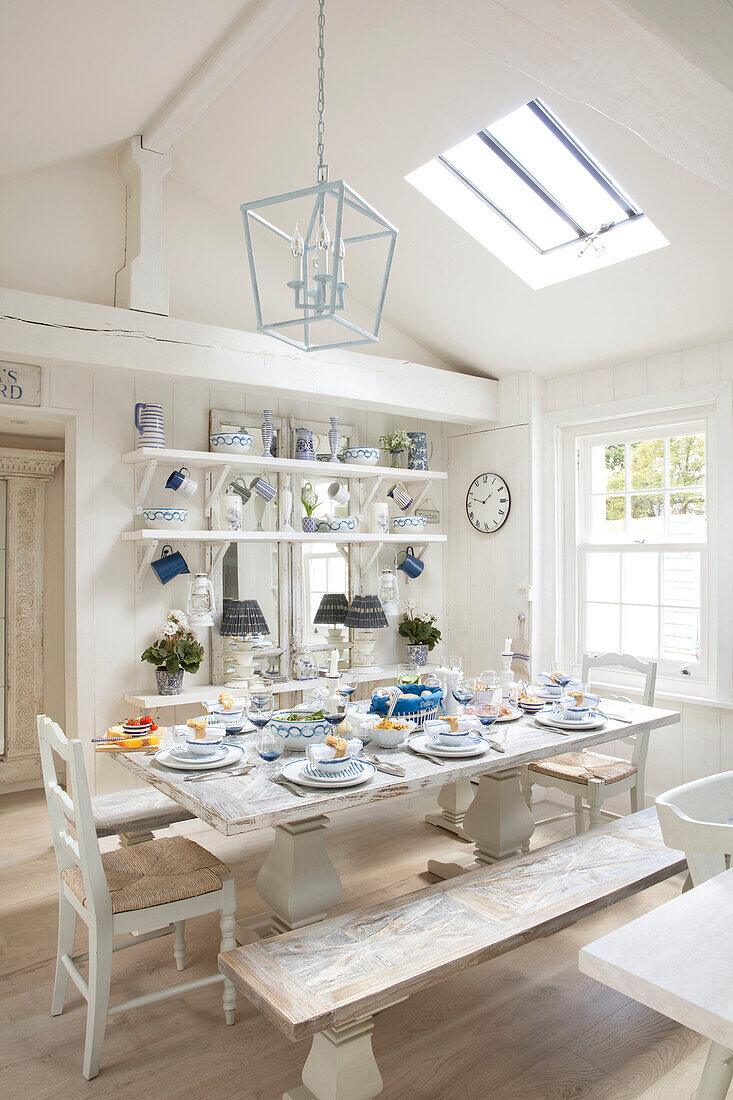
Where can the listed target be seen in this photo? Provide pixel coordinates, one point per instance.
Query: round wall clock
(488, 502)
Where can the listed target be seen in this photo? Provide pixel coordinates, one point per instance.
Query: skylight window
(526, 189)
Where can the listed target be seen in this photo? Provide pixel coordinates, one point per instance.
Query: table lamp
(364, 616)
(332, 611)
(242, 621)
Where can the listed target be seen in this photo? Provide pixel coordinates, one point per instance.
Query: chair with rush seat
(592, 775)
(150, 890)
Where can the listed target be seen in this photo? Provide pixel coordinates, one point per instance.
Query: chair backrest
(73, 806)
(696, 818)
(626, 661)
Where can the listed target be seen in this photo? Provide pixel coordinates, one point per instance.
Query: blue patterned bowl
(298, 735)
(407, 524)
(337, 523)
(172, 518)
(230, 443)
(361, 456)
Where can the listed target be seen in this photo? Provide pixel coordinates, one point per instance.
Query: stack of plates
(309, 775)
(559, 720)
(428, 743)
(179, 757)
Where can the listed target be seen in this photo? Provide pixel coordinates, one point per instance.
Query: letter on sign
(20, 384)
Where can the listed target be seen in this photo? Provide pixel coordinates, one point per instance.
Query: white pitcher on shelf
(149, 424)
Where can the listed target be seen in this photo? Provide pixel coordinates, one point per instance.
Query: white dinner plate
(294, 770)
(548, 696)
(184, 753)
(547, 719)
(423, 743)
(168, 759)
(511, 717)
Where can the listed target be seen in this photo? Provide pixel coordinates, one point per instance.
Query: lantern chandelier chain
(322, 168)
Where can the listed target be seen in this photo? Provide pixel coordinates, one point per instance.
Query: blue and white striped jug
(149, 424)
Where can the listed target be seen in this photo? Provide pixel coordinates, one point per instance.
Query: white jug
(149, 424)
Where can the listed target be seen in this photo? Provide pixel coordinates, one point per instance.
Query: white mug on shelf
(338, 493)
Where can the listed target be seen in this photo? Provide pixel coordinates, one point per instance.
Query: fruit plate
(168, 759)
(548, 719)
(512, 717)
(295, 771)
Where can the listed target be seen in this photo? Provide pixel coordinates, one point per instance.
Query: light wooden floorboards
(527, 1025)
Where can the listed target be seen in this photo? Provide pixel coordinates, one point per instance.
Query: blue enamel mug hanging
(411, 565)
(169, 565)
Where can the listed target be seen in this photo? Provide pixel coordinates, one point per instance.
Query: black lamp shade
(242, 618)
(332, 609)
(366, 613)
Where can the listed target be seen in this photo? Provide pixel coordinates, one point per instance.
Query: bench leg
(135, 837)
(454, 800)
(341, 1065)
(498, 820)
(297, 879)
(717, 1074)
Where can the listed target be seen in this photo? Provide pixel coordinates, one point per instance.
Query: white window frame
(669, 668)
(712, 403)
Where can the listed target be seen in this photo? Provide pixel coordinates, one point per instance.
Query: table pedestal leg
(341, 1065)
(297, 880)
(498, 821)
(454, 800)
(717, 1074)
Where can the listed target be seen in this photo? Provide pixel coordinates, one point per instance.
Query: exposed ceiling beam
(256, 27)
(611, 55)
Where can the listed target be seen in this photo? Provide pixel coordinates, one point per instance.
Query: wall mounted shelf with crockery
(219, 466)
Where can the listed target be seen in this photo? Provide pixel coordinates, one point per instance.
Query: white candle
(507, 645)
(334, 662)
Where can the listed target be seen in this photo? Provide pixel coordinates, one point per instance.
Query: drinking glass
(260, 707)
(408, 674)
(450, 661)
(269, 743)
(463, 692)
(336, 712)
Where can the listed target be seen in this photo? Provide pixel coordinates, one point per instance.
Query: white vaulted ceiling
(399, 90)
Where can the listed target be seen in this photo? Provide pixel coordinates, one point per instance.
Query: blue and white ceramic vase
(417, 454)
(334, 438)
(169, 683)
(309, 525)
(267, 432)
(417, 655)
(304, 445)
(149, 424)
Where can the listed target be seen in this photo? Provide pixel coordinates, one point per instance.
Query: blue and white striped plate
(300, 771)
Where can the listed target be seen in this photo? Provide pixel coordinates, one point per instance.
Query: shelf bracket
(142, 568)
(216, 478)
(372, 488)
(421, 495)
(372, 557)
(142, 484)
(343, 551)
(216, 555)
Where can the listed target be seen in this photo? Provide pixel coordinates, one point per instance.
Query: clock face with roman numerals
(488, 503)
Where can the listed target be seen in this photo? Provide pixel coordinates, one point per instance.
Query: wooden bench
(328, 980)
(132, 815)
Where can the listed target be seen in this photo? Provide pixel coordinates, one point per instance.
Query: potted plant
(176, 650)
(420, 631)
(395, 442)
(309, 500)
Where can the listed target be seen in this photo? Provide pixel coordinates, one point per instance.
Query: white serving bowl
(332, 767)
(338, 524)
(204, 746)
(161, 518)
(408, 525)
(361, 456)
(230, 443)
(388, 739)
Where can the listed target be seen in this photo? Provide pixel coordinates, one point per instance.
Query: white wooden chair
(591, 775)
(150, 889)
(697, 818)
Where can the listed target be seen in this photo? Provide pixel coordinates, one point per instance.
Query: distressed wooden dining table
(297, 879)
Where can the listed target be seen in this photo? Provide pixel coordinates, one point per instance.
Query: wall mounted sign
(20, 384)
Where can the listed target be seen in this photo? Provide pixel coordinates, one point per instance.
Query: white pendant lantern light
(298, 246)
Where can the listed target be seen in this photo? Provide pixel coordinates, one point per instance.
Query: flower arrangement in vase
(176, 650)
(310, 502)
(420, 631)
(395, 442)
